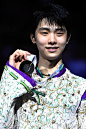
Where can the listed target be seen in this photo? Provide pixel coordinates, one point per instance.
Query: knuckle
(17, 50)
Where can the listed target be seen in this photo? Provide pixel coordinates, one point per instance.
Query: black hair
(54, 14)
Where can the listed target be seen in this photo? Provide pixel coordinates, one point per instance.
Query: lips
(52, 49)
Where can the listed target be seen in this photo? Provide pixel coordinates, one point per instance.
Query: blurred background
(14, 31)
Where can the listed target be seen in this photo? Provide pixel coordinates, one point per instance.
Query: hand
(17, 57)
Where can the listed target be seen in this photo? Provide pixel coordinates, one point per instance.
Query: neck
(48, 66)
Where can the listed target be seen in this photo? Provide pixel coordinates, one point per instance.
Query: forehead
(45, 23)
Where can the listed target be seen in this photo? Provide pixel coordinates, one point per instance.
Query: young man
(52, 97)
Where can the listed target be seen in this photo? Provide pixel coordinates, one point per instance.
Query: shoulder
(77, 82)
(71, 76)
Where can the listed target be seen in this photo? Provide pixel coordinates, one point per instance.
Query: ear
(68, 39)
(32, 38)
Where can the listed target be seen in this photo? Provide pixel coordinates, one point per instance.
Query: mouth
(52, 49)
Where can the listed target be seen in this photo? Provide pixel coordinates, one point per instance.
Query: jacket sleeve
(82, 113)
(12, 85)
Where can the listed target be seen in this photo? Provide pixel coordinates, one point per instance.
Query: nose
(52, 39)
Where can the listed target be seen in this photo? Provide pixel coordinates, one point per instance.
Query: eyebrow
(48, 29)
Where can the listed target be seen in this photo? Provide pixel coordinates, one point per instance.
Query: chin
(52, 57)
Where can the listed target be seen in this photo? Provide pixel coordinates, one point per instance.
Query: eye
(60, 33)
(44, 33)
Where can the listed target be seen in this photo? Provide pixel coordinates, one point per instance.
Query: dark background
(14, 31)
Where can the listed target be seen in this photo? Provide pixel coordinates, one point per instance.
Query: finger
(25, 53)
(28, 53)
(25, 56)
(19, 54)
(16, 56)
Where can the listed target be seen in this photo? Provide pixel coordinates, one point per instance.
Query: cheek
(41, 41)
(62, 40)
